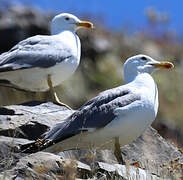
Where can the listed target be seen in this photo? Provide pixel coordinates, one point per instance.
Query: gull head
(143, 64)
(66, 21)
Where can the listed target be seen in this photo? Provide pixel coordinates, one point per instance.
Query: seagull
(41, 62)
(112, 119)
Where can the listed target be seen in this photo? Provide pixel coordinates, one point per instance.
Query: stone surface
(155, 156)
(30, 120)
(50, 166)
(126, 172)
(151, 150)
(7, 156)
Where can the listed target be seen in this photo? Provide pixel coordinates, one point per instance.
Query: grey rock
(169, 130)
(151, 151)
(155, 156)
(50, 166)
(125, 172)
(47, 166)
(7, 156)
(30, 120)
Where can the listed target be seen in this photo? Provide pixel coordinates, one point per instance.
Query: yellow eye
(67, 18)
(144, 58)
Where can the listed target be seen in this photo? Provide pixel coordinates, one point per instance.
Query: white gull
(42, 62)
(116, 116)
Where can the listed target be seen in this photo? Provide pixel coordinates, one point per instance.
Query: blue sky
(116, 13)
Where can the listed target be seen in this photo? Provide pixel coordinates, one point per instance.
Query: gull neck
(141, 79)
(57, 32)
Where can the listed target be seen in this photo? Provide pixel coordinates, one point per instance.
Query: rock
(47, 166)
(50, 166)
(30, 120)
(124, 172)
(154, 155)
(168, 130)
(7, 156)
(151, 150)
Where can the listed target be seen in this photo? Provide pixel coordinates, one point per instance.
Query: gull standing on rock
(115, 117)
(42, 62)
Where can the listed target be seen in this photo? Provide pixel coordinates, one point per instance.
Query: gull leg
(53, 93)
(38, 96)
(117, 151)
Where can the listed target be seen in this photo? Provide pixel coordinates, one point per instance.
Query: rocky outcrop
(30, 120)
(43, 165)
(152, 155)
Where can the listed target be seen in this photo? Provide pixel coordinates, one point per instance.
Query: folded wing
(37, 51)
(95, 114)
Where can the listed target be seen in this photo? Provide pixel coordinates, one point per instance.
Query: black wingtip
(27, 148)
(34, 147)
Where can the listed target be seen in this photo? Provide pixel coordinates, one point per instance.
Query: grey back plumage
(95, 114)
(36, 51)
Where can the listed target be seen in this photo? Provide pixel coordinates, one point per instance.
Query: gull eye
(67, 18)
(144, 58)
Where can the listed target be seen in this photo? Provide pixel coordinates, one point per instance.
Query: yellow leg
(117, 151)
(38, 96)
(53, 93)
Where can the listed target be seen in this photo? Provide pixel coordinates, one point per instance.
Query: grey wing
(95, 114)
(36, 51)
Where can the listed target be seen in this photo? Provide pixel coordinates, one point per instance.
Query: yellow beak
(163, 65)
(85, 24)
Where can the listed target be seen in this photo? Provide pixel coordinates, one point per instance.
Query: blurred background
(123, 29)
